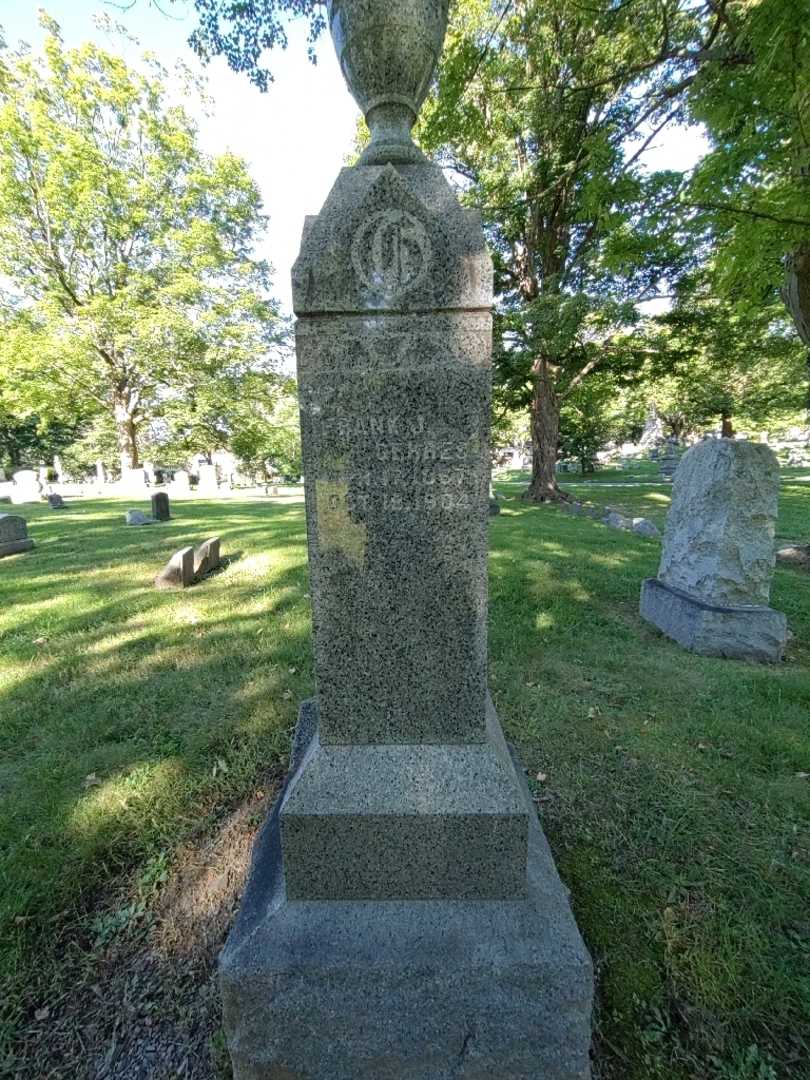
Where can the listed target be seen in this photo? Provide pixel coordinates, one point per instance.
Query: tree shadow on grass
(139, 711)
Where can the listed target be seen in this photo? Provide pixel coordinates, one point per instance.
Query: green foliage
(268, 437)
(98, 442)
(599, 411)
(543, 112)
(710, 358)
(27, 441)
(127, 247)
(240, 32)
(752, 191)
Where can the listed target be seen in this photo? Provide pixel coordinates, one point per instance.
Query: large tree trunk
(126, 427)
(726, 426)
(545, 428)
(796, 295)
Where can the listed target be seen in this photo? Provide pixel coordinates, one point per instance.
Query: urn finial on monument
(388, 53)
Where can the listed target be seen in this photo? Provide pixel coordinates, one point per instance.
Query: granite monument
(403, 917)
(713, 586)
(178, 573)
(161, 510)
(14, 535)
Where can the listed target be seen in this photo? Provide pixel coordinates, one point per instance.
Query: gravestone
(403, 917)
(138, 517)
(713, 586)
(13, 535)
(178, 572)
(668, 461)
(653, 431)
(180, 485)
(160, 506)
(56, 502)
(207, 557)
(207, 484)
(645, 527)
(27, 487)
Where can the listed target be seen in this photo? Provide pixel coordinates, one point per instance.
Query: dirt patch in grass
(145, 1005)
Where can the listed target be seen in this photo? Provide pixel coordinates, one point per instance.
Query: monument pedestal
(392, 989)
(744, 632)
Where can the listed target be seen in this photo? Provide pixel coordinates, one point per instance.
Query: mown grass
(130, 719)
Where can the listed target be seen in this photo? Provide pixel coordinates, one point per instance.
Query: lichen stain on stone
(336, 530)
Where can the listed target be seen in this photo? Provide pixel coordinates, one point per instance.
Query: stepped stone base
(398, 989)
(743, 633)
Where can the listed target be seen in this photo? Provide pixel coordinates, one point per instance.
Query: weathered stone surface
(408, 823)
(743, 633)
(403, 919)
(56, 502)
(207, 557)
(138, 517)
(348, 261)
(13, 535)
(394, 990)
(387, 54)
(394, 418)
(719, 542)
(713, 584)
(645, 527)
(615, 520)
(160, 506)
(178, 572)
(795, 555)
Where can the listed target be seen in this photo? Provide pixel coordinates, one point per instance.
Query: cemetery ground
(143, 735)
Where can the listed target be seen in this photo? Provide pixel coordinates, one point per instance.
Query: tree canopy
(129, 251)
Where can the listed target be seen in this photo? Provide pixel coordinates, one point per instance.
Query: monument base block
(406, 989)
(14, 547)
(742, 633)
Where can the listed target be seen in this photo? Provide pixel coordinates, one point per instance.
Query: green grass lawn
(132, 719)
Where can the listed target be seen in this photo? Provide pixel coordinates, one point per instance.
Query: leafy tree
(752, 191)
(544, 112)
(603, 409)
(268, 440)
(241, 32)
(711, 360)
(26, 441)
(128, 248)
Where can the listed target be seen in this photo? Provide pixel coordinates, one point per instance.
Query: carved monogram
(391, 252)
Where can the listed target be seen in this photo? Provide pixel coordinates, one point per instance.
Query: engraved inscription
(398, 464)
(391, 252)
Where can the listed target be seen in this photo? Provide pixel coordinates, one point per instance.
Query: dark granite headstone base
(14, 547)
(743, 633)
(406, 990)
